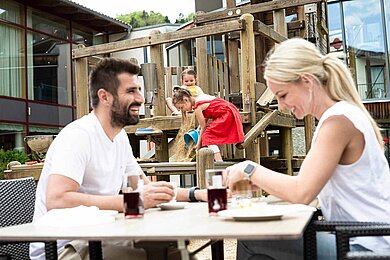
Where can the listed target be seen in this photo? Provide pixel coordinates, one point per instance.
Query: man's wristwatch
(249, 170)
(191, 194)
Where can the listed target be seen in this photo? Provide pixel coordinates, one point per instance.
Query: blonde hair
(290, 59)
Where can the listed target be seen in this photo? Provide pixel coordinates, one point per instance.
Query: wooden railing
(380, 111)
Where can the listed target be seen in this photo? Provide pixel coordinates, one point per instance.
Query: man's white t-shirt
(83, 152)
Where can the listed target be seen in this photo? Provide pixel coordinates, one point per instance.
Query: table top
(192, 222)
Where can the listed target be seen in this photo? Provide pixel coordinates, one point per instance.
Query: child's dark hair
(179, 95)
(188, 72)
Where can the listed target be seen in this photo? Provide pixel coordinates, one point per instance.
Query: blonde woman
(345, 167)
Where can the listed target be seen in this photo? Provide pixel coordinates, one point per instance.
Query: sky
(112, 8)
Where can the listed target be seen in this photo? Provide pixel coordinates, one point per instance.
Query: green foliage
(7, 156)
(142, 18)
(189, 17)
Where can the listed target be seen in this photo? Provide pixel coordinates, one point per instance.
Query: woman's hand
(235, 173)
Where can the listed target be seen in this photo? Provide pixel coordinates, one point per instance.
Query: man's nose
(140, 98)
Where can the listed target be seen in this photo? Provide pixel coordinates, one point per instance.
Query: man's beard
(120, 116)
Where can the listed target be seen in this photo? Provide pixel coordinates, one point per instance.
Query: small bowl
(39, 143)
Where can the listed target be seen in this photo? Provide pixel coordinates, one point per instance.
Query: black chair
(343, 230)
(17, 198)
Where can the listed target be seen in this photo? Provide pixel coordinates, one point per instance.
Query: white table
(192, 222)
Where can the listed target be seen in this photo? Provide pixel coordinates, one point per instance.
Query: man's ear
(104, 97)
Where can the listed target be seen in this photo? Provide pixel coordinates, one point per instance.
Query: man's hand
(157, 192)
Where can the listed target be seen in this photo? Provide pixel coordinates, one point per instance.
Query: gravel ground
(229, 246)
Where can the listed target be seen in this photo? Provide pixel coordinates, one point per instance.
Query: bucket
(193, 135)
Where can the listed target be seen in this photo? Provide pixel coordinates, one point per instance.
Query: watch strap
(191, 194)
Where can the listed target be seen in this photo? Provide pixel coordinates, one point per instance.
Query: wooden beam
(196, 32)
(250, 9)
(268, 32)
(82, 102)
(202, 64)
(257, 129)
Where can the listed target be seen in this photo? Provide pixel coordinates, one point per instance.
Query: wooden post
(248, 71)
(280, 26)
(287, 148)
(309, 131)
(157, 57)
(201, 64)
(232, 59)
(204, 161)
(82, 102)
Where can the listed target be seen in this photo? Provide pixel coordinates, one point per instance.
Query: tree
(142, 18)
(181, 18)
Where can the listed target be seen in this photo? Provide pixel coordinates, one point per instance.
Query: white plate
(252, 214)
(172, 205)
(109, 212)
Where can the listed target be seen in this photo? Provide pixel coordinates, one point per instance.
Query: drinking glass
(133, 200)
(174, 185)
(216, 190)
(242, 194)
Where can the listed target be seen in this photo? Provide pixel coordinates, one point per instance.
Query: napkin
(74, 217)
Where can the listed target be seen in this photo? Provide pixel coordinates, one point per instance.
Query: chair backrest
(17, 199)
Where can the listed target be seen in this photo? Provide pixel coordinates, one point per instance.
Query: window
(12, 64)
(49, 74)
(363, 22)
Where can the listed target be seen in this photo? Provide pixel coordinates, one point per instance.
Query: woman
(345, 167)
(225, 127)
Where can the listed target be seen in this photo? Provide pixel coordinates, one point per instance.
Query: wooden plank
(257, 129)
(201, 64)
(221, 88)
(214, 88)
(250, 9)
(280, 25)
(195, 32)
(268, 32)
(226, 80)
(266, 98)
(233, 64)
(173, 123)
(82, 103)
(209, 75)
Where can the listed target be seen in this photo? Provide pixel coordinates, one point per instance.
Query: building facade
(361, 30)
(36, 70)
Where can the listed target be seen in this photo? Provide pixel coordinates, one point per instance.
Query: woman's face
(185, 105)
(188, 80)
(295, 97)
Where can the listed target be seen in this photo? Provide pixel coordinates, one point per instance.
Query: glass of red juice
(216, 191)
(133, 202)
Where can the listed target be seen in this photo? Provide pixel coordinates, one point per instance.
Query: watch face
(249, 169)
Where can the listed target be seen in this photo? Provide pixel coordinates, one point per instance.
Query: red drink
(217, 199)
(133, 205)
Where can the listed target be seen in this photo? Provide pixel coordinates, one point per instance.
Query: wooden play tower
(249, 32)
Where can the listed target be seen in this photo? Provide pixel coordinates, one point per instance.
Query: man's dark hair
(105, 76)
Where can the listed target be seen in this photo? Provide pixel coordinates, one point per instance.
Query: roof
(79, 14)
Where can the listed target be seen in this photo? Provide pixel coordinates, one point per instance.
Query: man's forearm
(73, 199)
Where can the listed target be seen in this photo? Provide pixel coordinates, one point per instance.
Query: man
(85, 163)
